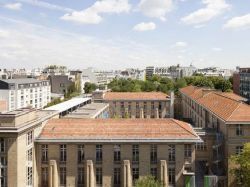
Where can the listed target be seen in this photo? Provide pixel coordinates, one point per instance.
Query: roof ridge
(177, 122)
(221, 94)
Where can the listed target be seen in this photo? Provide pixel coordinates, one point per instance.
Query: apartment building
(18, 129)
(20, 93)
(223, 122)
(137, 104)
(245, 82)
(115, 152)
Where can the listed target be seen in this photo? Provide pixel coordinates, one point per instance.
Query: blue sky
(116, 34)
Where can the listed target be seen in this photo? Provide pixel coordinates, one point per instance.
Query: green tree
(148, 181)
(241, 171)
(89, 87)
(180, 83)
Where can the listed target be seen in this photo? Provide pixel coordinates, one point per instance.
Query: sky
(118, 34)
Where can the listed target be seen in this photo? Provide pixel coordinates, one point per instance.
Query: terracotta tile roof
(227, 106)
(135, 96)
(233, 96)
(118, 129)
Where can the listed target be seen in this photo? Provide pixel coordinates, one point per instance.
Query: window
(29, 176)
(99, 153)
(63, 153)
(201, 146)
(171, 153)
(135, 174)
(29, 137)
(29, 155)
(44, 179)
(2, 145)
(117, 153)
(153, 154)
(117, 177)
(153, 172)
(80, 153)
(3, 177)
(238, 149)
(135, 152)
(187, 150)
(99, 176)
(44, 153)
(171, 176)
(239, 130)
(3, 161)
(80, 177)
(62, 176)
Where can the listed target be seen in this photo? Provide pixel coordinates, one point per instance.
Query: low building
(92, 110)
(69, 106)
(18, 129)
(20, 93)
(137, 104)
(225, 118)
(115, 152)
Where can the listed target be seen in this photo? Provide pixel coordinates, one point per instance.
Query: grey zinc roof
(21, 81)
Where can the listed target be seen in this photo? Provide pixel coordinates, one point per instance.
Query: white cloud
(238, 22)
(33, 45)
(217, 49)
(145, 26)
(199, 26)
(156, 8)
(92, 15)
(180, 44)
(213, 8)
(46, 5)
(13, 6)
(4, 34)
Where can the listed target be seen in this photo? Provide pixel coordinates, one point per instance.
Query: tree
(180, 83)
(242, 170)
(89, 87)
(148, 181)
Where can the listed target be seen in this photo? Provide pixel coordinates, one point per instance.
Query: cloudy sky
(115, 34)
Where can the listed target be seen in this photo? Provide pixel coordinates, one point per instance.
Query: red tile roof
(118, 129)
(135, 96)
(227, 106)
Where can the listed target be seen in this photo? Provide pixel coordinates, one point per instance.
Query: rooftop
(135, 96)
(22, 81)
(227, 106)
(61, 107)
(88, 111)
(118, 130)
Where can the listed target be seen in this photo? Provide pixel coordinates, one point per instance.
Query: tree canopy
(164, 84)
(148, 181)
(89, 87)
(242, 170)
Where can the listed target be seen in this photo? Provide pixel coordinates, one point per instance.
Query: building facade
(223, 120)
(137, 104)
(115, 152)
(20, 93)
(18, 129)
(245, 82)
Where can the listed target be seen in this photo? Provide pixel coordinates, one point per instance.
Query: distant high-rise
(245, 82)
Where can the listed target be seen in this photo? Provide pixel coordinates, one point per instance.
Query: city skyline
(116, 34)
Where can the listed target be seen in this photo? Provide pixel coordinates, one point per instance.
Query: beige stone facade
(137, 104)
(120, 172)
(222, 121)
(18, 129)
